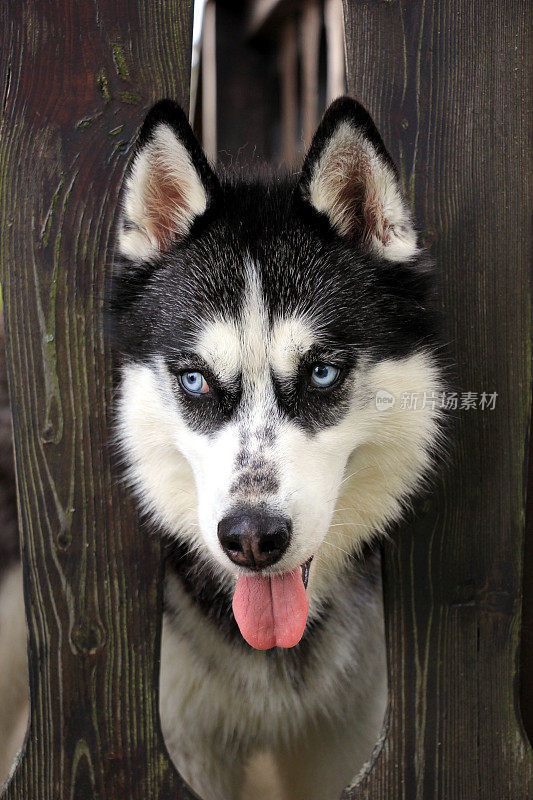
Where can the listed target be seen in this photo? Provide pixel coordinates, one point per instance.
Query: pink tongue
(271, 610)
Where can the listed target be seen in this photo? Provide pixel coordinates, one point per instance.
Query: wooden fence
(446, 82)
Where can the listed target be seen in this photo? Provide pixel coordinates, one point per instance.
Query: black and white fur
(251, 283)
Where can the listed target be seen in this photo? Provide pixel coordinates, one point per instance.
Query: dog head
(268, 336)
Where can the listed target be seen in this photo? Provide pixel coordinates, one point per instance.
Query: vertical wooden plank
(77, 78)
(336, 61)
(209, 83)
(310, 28)
(526, 638)
(198, 21)
(289, 91)
(447, 84)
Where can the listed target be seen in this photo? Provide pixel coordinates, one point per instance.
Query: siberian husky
(267, 334)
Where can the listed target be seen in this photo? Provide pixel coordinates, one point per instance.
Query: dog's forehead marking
(250, 345)
(253, 331)
(219, 346)
(290, 340)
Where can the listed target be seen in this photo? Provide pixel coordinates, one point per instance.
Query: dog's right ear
(169, 184)
(350, 179)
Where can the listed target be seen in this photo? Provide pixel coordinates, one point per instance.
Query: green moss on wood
(120, 62)
(103, 85)
(130, 98)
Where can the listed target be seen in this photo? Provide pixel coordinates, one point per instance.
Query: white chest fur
(221, 701)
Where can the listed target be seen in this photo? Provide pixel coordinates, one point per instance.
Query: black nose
(254, 539)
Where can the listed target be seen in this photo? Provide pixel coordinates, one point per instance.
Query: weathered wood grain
(447, 83)
(77, 78)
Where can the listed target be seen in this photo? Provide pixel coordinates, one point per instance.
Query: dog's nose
(253, 539)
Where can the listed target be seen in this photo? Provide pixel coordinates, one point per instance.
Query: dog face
(258, 325)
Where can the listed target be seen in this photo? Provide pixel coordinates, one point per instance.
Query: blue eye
(324, 375)
(194, 383)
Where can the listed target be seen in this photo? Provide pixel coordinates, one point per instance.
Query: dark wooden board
(77, 78)
(446, 81)
(526, 638)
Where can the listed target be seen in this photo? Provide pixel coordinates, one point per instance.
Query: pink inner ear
(168, 213)
(347, 175)
(358, 211)
(374, 215)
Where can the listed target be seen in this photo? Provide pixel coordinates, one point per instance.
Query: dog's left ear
(169, 184)
(349, 176)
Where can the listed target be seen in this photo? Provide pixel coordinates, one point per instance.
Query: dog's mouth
(305, 567)
(271, 610)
